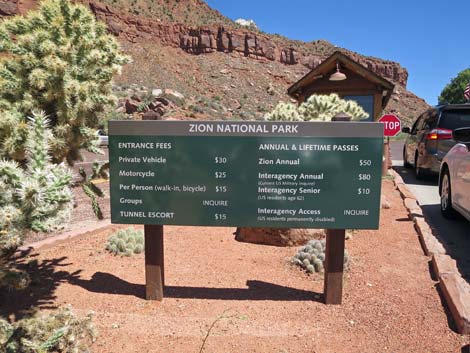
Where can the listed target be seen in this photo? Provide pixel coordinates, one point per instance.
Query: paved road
(453, 234)
(88, 159)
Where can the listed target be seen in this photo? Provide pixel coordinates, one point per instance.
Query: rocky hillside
(221, 69)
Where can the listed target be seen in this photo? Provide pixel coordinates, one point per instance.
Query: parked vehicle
(454, 177)
(430, 138)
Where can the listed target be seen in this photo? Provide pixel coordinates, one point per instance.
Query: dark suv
(430, 138)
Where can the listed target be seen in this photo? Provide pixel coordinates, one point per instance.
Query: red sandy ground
(390, 302)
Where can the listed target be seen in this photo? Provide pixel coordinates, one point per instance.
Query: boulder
(131, 106)
(162, 100)
(136, 98)
(160, 110)
(234, 104)
(278, 236)
(173, 93)
(156, 92)
(114, 26)
(153, 105)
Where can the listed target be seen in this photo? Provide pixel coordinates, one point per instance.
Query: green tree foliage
(317, 108)
(61, 60)
(33, 197)
(453, 92)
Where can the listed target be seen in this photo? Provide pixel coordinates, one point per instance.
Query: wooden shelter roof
(328, 66)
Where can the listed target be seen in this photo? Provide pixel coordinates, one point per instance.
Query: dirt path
(263, 304)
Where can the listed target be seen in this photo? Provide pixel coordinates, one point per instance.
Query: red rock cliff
(204, 40)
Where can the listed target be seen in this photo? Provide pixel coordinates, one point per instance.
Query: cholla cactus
(98, 170)
(36, 197)
(311, 257)
(58, 331)
(126, 242)
(317, 108)
(59, 59)
(284, 112)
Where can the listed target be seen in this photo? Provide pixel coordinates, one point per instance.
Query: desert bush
(59, 59)
(311, 257)
(146, 100)
(126, 242)
(58, 331)
(196, 109)
(35, 196)
(316, 108)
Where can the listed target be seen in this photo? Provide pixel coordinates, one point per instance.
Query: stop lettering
(392, 125)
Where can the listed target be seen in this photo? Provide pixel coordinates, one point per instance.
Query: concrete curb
(63, 237)
(455, 289)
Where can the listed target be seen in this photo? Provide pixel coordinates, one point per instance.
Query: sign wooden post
(154, 262)
(154, 254)
(334, 260)
(334, 254)
(385, 157)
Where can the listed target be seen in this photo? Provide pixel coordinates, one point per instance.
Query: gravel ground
(255, 300)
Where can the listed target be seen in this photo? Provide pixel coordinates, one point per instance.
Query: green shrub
(311, 257)
(59, 331)
(126, 242)
(196, 109)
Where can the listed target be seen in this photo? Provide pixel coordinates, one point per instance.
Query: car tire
(406, 164)
(446, 196)
(418, 170)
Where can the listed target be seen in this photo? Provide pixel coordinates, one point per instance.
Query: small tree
(36, 197)
(317, 108)
(61, 60)
(453, 92)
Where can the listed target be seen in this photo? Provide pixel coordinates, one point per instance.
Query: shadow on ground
(257, 290)
(45, 277)
(409, 177)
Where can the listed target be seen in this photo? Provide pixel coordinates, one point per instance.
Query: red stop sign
(392, 125)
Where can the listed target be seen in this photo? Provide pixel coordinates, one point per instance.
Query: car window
(416, 124)
(454, 119)
(421, 123)
(431, 118)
